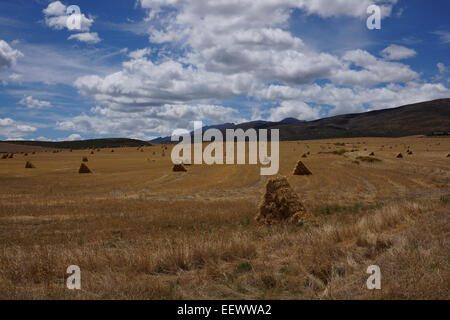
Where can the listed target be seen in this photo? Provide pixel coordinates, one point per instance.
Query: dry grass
(138, 230)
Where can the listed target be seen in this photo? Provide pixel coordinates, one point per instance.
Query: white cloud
(396, 52)
(142, 84)
(357, 99)
(52, 64)
(335, 8)
(163, 120)
(372, 70)
(323, 8)
(90, 37)
(441, 67)
(11, 129)
(56, 18)
(444, 36)
(55, 9)
(141, 53)
(8, 55)
(34, 103)
(293, 109)
(72, 137)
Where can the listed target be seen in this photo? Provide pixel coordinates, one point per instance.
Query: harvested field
(138, 230)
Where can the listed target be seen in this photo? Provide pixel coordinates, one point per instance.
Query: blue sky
(144, 68)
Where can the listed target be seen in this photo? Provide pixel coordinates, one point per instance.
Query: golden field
(140, 231)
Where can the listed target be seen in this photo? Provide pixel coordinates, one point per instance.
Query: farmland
(138, 230)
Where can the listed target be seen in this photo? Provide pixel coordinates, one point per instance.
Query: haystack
(92, 152)
(372, 154)
(84, 169)
(304, 155)
(301, 170)
(281, 203)
(5, 156)
(399, 156)
(29, 165)
(11, 155)
(448, 156)
(85, 159)
(112, 150)
(179, 168)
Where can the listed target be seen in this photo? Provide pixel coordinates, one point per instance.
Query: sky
(143, 68)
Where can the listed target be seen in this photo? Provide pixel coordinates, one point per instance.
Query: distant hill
(423, 118)
(82, 144)
(217, 126)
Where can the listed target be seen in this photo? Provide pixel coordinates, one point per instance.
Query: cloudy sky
(142, 68)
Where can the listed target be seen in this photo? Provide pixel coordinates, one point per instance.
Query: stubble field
(140, 231)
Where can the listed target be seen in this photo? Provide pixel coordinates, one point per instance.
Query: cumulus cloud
(396, 52)
(371, 70)
(357, 99)
(147, 123)
(56, 18)
(335, 8)
(11, 129)
(8, 55)
(34, 103)
(90, 37)
(142, 84)
(293, 109)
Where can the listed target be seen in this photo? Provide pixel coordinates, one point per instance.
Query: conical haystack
(5, 156)
(179, 168)
(92, 152)
(29, 165)
(85, 159)
(399, 156)
(448, 156)
(281, 203)
(372, 154)
(11, 155)
(301, 170)
(304, 155)
(84, 169)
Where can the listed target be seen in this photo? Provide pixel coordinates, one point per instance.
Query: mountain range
(425, 118)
